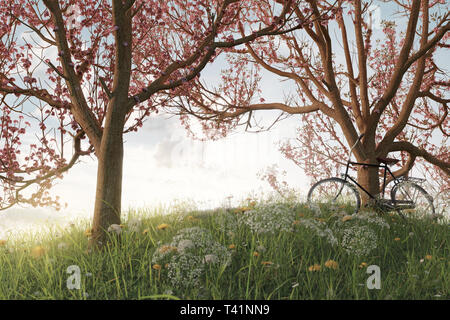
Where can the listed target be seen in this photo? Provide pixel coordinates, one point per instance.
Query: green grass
(413, 267)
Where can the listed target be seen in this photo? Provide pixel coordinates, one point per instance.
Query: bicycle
(407, 196)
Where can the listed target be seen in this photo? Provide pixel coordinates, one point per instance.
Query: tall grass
(282, 254)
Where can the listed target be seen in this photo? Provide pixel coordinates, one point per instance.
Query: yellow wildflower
(167, 248)
(37, 252)
(363, 265)
(315, 267)
(156, 267)
(162, 226)
(428, 257)
(256, 254)
(242, 209)
(145, 231)
(232, 246)
(346, 218)
(396, 239)
(88, 232)
(2, 242)
(331, 264)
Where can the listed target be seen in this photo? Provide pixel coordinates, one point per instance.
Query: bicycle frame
(383, 166)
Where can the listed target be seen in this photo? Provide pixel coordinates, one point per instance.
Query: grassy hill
(258, 251)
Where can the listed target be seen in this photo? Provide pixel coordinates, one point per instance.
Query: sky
(163, 165)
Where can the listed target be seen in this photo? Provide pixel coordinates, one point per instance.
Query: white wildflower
(359, 240)
(62, 245)
(186, 255)
(271, 219)
(260, 248)
(134, 225)
(115, 228)
(185, 244)
(210, 258)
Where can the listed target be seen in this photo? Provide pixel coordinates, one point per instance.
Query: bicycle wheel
(334, 193)
(442, 204)
(412, 200)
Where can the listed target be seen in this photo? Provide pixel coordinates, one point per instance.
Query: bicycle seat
(388, 161)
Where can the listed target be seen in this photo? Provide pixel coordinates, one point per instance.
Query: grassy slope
(413, 257)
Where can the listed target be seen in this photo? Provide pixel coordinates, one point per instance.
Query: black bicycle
(407, 196)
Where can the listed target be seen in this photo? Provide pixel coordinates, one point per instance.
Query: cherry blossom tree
(81, 74)
(347, 79)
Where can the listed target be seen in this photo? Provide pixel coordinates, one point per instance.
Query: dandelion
(315, 267)
(428, 257)
(256, 254)
(363, 265)
(260, 248)
(2, 243)
(210, 258)
(37, 251)
(62, 246)
(242, 209)
(396, 239)
(165, 249)
(156, 267)
(134, 225)
(232, 246)
(145, 231)
(185, 244)
(346, 218)
(331, 264)
(88, 232)
(117, 229)
(162, 226)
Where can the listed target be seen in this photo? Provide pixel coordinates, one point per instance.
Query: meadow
(278, 250)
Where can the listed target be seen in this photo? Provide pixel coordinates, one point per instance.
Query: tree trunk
(368, 178)
(109, 181)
